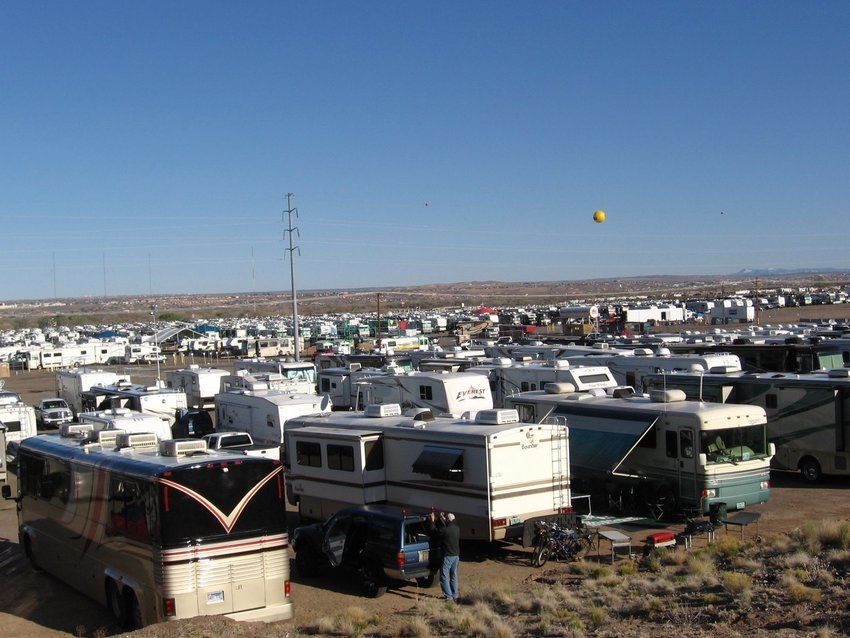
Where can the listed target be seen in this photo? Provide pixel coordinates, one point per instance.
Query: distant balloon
(599, 216)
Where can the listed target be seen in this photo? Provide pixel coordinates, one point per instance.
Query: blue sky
(147, 147)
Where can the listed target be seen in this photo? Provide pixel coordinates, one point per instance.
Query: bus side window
(687, 443)
(671, 444)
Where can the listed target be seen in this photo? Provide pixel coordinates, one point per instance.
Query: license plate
(740, 506)
(514, 520)
(423, 555)
(215, 597)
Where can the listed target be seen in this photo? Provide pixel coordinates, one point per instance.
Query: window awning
(599, 445)
(438, 460)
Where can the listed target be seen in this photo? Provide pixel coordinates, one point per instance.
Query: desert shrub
(797, 592)
(701, 565)
(799, 560)
(653, 607)
(736, 582)
(597, 614)
(726, 547)
(627, 568)
(834, 534)
(415, 627)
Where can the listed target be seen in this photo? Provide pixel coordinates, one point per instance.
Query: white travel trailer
(341, 384)
(70, 384)
(303, 371)
(18, 417)
(265, 381)
(495, 473)
(508, 378)
(200, 384)
(449, 393)
(156, 400)
(264, 413)
(659, 451)
(808, 415)
(139, 353)
(126, 420)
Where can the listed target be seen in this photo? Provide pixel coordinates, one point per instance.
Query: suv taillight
(399, 559)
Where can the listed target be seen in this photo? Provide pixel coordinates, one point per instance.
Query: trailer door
(687, 466)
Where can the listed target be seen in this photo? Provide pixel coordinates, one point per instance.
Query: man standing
(449, 536)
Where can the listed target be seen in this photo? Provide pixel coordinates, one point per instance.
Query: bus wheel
(134, 610)
(810, 469)
(30, 554)
(115, 602)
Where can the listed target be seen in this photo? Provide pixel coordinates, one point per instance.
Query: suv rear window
(415, 532)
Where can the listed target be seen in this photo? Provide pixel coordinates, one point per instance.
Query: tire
(810, 469)
(307, 562)
(29, 552)
(134, 610)
(373, 579)
(544, 555)
(538, 550)
(584, 546)
(115, 603)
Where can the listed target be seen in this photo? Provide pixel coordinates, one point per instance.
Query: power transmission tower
(292, 231)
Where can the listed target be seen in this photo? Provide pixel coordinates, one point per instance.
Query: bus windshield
(731, 445)
(199, 503)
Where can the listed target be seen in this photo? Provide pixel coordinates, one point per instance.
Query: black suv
(380, 543)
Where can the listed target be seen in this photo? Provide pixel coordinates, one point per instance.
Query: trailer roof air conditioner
(666, 396)
(496, 417)
(182, 447)
(378, 410)
(561, 387)
(71, 430)
(139, 440)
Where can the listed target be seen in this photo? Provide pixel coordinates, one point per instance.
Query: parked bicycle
(559, 543)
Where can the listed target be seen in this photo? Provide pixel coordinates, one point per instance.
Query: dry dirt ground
(498, 581)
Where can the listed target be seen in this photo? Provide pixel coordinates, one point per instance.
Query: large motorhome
(162, 402)
(808, 415)
(153, 530)
(631, 369)
(774, 357)
(493, 472)
(264, 413)
(341, 384)
(658, 451)
(364, 360)
(70, 384)
(200, 384)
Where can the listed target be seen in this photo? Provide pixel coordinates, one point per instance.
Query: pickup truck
(240, 442)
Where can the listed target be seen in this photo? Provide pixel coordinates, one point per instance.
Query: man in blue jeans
(448, 535)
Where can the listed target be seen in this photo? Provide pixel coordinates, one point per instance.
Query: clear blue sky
(148, 146)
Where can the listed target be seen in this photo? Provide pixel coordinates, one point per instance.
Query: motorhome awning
(439, 461)
(601, 444)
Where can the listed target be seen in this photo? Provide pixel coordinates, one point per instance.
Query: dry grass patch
(797, 592)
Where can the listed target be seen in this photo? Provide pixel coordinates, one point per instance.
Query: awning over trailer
(600, 444)
(439, 461)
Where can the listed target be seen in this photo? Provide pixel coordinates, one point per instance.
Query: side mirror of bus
(703, 460)
(771, 449)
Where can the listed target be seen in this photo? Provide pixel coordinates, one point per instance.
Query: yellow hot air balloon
(599, 216)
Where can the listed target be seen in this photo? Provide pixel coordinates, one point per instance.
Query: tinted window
(309, 454)
(341, 457)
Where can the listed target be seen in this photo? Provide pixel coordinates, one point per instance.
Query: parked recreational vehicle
(303, 371)
(631, 370)
(200, 384)
(341, 384)
(127, 420)
(507, 378)
(494, 473)
(364, 360)
(264, 413)
(774, 357)
(808, 415)
(70, 384)
(659, 450)
(265, 381)
(449, 393)
(149, 529)
(18, 417)
(156, 400)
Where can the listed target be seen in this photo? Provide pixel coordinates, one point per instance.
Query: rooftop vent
(666, 396)
(378, 410)
(496, 417)
(723, 369)
(560, 363)
(75, 430)
(562, 387)
(643, 352)
(420, 414)
(182, 447)
(623, 392)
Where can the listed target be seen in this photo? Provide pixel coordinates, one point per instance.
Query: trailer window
(440, 463)
(308, 454)
(341, 457)
(426, 392)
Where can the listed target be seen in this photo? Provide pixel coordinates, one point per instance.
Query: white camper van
(494, 472)
(450, 393)
(18, 417)
(200, 384)
(70, 384)
(165, 403)
(125, 420)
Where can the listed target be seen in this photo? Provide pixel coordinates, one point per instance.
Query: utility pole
(292, 230)
(378, 327)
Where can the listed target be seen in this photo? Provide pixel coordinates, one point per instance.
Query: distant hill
(773, 272)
